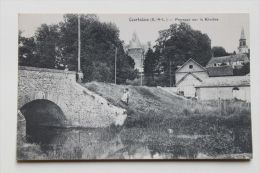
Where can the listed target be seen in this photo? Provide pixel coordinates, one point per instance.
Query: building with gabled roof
(193, 80)
(189, 75)
(216, 80)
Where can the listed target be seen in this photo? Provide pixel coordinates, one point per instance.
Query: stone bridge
(80, 106)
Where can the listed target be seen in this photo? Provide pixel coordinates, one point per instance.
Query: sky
(223, 29)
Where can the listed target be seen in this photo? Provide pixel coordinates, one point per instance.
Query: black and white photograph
(133, 87)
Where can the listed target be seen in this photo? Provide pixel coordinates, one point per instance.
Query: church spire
(242, 42)
(242, 36)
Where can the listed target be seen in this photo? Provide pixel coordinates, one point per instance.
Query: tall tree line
(56, 46)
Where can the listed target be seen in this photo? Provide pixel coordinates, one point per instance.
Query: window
(235, 92)
(190, 66)
(181, 93)
(235, 89)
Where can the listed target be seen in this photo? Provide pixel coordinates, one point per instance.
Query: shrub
(145, 92)
(92, 87)
(186, 112)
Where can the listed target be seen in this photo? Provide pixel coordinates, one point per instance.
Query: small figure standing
(125, 97)
(66, 68)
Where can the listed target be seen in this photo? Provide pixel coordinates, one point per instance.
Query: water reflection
(102, 143)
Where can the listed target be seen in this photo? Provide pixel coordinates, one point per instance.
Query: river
(103, 144)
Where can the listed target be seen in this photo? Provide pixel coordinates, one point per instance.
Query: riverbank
(157, 118)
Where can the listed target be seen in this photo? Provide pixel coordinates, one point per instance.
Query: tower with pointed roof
(136, 51)
(243, 48)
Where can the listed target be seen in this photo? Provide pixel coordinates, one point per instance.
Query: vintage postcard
(134, 87)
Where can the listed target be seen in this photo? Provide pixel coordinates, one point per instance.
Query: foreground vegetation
(169, 123)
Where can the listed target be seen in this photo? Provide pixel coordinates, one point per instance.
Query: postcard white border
(8, 72)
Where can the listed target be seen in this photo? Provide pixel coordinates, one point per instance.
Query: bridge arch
(40, 114)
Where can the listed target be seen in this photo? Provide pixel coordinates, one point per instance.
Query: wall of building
(187, 86)
(81, 106)
(224, 93)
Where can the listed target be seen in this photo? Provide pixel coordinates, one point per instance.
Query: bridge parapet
(44, 70)
(48, 73)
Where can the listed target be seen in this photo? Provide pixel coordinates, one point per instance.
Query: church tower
(136, 51)
(243, 48)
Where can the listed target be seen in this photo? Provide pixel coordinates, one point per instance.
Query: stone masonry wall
(80, 106)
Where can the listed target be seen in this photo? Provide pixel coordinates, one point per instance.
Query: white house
(216, 80)
(189, 75)
(225, 88)
(221, 83)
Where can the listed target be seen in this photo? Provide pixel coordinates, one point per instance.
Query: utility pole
(79, 73)
(141, 78)
(79, 44)
(170, 73)
(142, 62)
(115, 62)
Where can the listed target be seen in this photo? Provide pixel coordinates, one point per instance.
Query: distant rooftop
(230, 58)
(220, 71)
(231, 81)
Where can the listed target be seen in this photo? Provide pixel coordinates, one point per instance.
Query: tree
(69, 37)
(158, 60)
(150, 65)
(98, 45)
(26, 50)
(46, 46)
(126, 69)
(218, 51)
(179, 43)
(56, 46)
(245, 69)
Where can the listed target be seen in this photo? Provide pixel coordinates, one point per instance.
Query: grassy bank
(167, 123)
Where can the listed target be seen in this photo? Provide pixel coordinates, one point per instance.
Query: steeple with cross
(243, 48)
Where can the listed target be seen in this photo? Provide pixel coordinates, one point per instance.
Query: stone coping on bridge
(45, 70)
